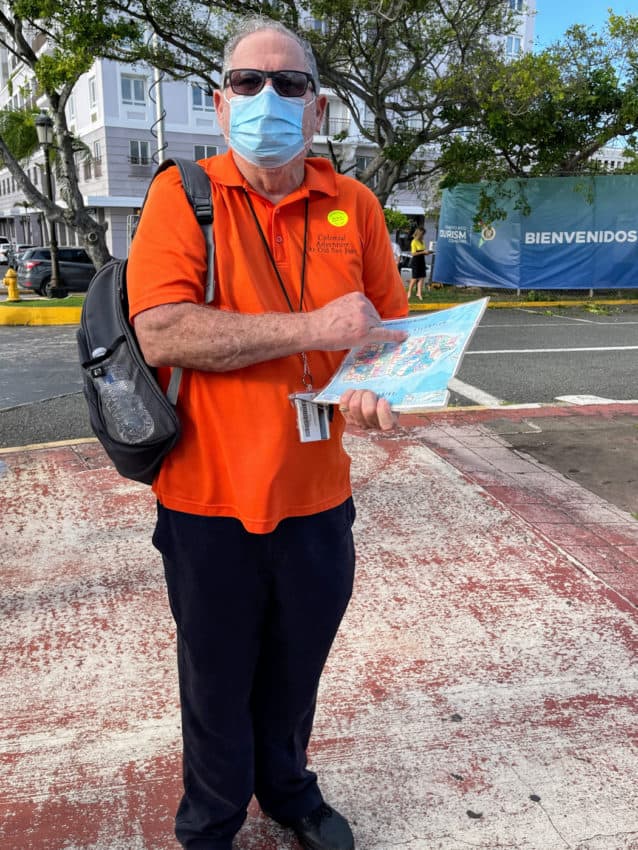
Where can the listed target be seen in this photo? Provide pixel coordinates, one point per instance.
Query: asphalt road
(523, 356)
(517, 356)
(40, 386)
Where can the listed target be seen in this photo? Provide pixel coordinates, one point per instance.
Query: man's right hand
(349, 321)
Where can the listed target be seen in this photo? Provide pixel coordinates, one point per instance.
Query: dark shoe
(324, 829)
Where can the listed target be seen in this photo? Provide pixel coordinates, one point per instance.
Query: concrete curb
(17, 315)
(39, 315)
(528, 305)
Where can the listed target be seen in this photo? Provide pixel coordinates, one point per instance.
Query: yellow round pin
(338, 218)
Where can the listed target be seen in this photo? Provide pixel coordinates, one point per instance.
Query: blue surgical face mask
(267, 129)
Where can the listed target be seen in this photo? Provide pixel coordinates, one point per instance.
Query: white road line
(592, 399)
(474, 394)
(558, 316)
(484, 325)
(552, 350)
(593, 321)
(585, 321)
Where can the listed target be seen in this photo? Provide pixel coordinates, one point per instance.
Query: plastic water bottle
(125, 409)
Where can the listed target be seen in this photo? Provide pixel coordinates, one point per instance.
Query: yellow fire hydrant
(11, 282)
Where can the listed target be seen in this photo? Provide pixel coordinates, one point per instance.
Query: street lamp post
(44, 129)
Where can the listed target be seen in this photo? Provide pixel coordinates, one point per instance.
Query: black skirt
(417, 265)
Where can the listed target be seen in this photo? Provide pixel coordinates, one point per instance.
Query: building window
(92, 93)
(204, 151)
(139, 152)
(334, 120)
(131, 226)
(70, 108)
(516, 5)
(513, 46)
(97, 159)
(201, 99)
(133, 90)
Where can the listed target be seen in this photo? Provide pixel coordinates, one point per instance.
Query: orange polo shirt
(239, 454)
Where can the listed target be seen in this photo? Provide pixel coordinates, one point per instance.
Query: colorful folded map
(413, 375)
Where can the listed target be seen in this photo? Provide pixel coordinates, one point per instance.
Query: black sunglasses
(249, 81)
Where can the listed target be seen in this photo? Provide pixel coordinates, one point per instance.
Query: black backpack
(129, 414)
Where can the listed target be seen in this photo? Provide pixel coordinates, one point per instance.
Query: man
(254, 525)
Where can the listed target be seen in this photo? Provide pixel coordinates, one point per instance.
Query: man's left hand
(366, 410)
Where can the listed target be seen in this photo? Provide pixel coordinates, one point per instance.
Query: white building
(612, 157)
(112, 111)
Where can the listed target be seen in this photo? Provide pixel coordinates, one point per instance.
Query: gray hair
(257, 23)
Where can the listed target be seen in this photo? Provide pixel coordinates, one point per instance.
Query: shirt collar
(319, 177)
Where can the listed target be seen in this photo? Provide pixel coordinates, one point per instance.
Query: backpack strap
(197, 189)
(196, 184)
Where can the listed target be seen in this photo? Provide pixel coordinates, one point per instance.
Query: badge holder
(313, 419)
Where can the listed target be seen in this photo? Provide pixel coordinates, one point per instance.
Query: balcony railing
(332, 126)
(139, 160)
(92, 168)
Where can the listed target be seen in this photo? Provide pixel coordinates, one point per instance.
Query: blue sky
(553, 17)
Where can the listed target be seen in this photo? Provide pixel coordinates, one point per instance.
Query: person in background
(255, 511)
(396, 250)
(419, 252)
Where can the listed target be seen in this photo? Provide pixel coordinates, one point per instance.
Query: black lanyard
(272, 259)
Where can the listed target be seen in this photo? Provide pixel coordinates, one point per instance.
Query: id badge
(313, 420)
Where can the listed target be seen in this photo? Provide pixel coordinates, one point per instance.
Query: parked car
(75, 266)
(5, 247)
(14, 254)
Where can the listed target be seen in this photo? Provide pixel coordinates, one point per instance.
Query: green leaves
(426, 81)
(547, 113)
(17, 128)
(396, 220)
(77, 33)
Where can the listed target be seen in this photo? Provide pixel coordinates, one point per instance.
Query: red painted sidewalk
(482, 692)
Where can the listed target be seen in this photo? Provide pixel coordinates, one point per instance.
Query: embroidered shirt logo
(338, 218)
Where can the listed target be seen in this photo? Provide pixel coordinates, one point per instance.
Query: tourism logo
(488, 232)
(456, 234)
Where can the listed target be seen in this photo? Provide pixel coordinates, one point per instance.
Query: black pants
(256, 615)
